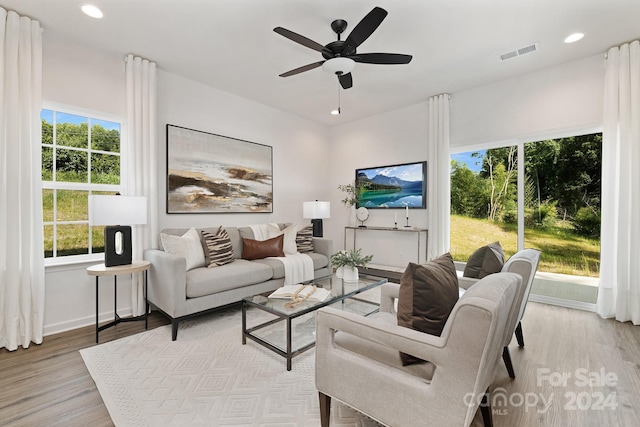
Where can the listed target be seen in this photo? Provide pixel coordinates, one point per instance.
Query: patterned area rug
(207, 378)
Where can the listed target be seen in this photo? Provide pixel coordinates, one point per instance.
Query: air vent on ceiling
(519, 52)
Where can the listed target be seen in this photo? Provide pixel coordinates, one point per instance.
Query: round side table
(101, 270)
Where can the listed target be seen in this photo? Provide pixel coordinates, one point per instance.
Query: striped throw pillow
(218, 246)
(304, 239)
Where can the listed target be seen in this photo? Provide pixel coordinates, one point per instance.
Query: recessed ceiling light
(574, 38)
(92, 11)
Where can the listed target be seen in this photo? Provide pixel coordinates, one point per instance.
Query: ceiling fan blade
(299, 39)
(382, 58)
(302, 69)
(363, 30)
(346, 81)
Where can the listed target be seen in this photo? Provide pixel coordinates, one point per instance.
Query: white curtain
(438, 176)
(142, 160)
(619, 292)
(21, 241)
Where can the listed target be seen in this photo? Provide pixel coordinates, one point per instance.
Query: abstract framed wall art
(209, 173)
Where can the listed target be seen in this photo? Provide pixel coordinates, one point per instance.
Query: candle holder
(395, 225)
(407, 226)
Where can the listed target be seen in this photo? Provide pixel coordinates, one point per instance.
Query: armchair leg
(519, 336)
(485, 410)
(325, 409)
(506, 356)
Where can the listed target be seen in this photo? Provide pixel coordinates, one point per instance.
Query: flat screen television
(393, 186)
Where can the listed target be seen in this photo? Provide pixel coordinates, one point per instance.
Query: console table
(382, 266)
(101, 270)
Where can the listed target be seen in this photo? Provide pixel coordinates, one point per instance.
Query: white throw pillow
(289, 245)
(188, 246)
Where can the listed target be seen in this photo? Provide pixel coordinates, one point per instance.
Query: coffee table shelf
(290, 331)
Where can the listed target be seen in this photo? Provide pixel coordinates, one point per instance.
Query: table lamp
(110, 210)
(316, 211)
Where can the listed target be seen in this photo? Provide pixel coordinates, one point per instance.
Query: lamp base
(117, 245)
(317, 227)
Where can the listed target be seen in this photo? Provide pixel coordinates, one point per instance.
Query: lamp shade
(316, 210)
(112, 210)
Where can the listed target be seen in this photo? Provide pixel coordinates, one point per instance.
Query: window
(552, 204)
(81, 155)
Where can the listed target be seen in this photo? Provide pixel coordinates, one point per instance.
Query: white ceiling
(230, 44)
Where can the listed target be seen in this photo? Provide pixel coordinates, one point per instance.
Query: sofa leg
(506, 356)
(325, 409)
(519, 335)
(174, 329)
(485, 410)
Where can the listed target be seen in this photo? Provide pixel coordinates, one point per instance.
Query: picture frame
(210, 173)
(398, 186)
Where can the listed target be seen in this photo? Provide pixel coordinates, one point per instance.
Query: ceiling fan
(340, 56)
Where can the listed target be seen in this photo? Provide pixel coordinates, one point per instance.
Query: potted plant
(351, 194)
(347, 263)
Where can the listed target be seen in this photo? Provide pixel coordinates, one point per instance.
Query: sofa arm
(323, 246)
(167, 280)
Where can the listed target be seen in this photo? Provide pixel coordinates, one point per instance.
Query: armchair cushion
(483, 261)
(427, 295)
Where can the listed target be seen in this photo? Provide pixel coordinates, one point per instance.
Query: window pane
(72, 130)
(47, 164)
(562, 213)
(105, 169)
(484, 201)
(105, 136)
(71, 165)
(97, 240)
(72, 239)
(47, 205)
(48, 241)
(47, 126)
(73, 205)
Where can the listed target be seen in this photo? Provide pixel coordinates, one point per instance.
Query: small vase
(339, 272)
(350, 274)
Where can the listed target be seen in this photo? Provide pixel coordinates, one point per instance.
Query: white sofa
(181, 294)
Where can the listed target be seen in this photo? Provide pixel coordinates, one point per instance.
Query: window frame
(80, 186)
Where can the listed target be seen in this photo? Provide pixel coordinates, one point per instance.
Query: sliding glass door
(551, 204)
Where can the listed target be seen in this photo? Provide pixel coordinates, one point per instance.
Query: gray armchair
(358, 362)
(525, 264)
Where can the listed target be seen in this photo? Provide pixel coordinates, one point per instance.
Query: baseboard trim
(81, 322)
(562, 302)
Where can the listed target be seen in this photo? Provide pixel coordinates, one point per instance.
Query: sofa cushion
(187, 246)
(427, 295)
(289, 243)
(304, 239)
(319, 261)
(207, 281)
(218, 250)
(483, 261)
(256, 249)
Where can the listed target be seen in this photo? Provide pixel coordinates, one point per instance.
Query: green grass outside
(561, 250)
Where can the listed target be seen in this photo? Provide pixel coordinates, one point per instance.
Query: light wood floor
(48, 385)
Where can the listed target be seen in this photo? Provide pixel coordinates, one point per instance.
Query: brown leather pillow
(258, 249)
(428, 293)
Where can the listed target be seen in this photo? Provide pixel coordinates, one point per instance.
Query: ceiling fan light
(339, 65)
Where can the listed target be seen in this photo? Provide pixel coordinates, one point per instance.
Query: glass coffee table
(290, 329)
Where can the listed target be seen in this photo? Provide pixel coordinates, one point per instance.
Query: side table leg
(115, 298)
(97, 315)
(244, 323)
(146, 303)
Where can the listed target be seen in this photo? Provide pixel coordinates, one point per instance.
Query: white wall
(544, 104)
(77, 76)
